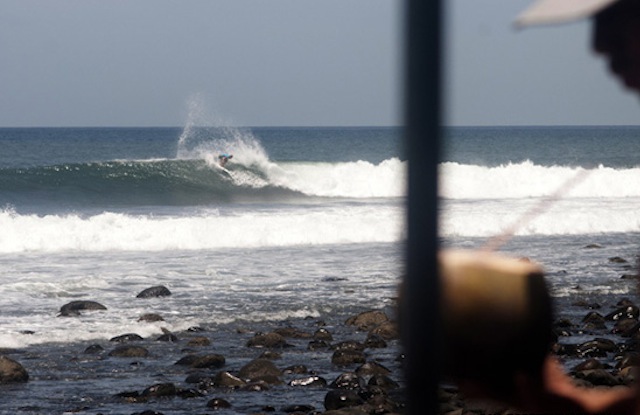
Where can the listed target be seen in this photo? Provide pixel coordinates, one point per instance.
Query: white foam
(358, 179)
(251, 228)
(525, 180)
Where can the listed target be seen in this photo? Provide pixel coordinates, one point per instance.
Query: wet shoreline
(90, 378)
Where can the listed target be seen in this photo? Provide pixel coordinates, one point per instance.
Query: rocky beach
(305, 366)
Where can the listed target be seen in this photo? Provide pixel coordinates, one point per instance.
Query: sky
(288, 63)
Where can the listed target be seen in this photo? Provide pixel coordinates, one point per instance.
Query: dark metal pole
(419, 314)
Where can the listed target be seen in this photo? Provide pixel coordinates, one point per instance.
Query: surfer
(224, 158)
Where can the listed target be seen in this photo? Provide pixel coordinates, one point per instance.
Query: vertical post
(419, 314)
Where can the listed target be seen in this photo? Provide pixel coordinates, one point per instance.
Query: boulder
(348, 380)
(367, 320)
(387, 330)
(153, 292)
(270, 340)
(227, 380)
(124, 338)
(341, 398)
(73, 308)
(213, 360)
(348, 357)
(129, 351)
(259, 369)
(309, 382)
(218, 403)
(12, 371)
(199, 341)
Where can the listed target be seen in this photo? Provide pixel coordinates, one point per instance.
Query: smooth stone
(323, 334)
(387, 330)
(348, 380)
(74, 307)
(129, 351)
(348, 357)
(341, 398)
(367, 320)
(269, 340)
(375, 341)
(383, 381)
(153, 292)
(160, 390)
(599, 377)
(218, 403)
(298, 408)
(12, 371)
(296, 370)
(311, 381)
(293, 333)
(372, 368)
(214, 361)
(94, 349)
(199, 342)
(129, 337)
(151, 318)
(227, 380)
(259, 369)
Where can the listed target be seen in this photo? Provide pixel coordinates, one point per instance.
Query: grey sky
(286, 62)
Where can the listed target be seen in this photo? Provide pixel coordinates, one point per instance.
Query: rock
(626, 326)
(129, 337)
(626, 311)
(257, 386)
(310, 381)
(318, 344)
(598, 347)
(383, 381)
(367, 320)
(270, 340)
(167, 336)
(599, 377)
(295, 369)
(227, 380)
(594, 320)
(372, 368)
(375, 341)
(200, 378)
(214, 361)
(73, 308)
(199, 342)
(12, 371)
(322, 334)
(150, 318)
(348, 357)
(129, 351)
(259, 369)
(152, 292)
(387, 330)
(348, 345)
(593, 246)
(629, 360)
(218, 403)
(271, 355)
(617, 260)
(298, 408)
(293, 333)
(589, 364)
(341, 398)
(348, 380)
(160, 390)
(94, 349)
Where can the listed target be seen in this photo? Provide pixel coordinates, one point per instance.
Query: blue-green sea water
(304, 222)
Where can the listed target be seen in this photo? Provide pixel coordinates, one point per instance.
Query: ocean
(306, 222)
